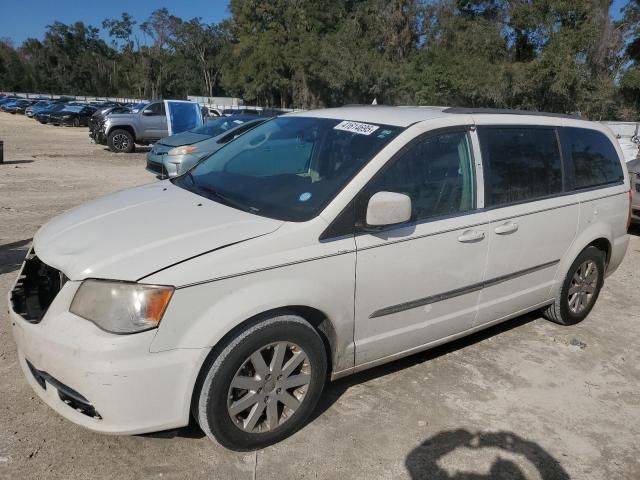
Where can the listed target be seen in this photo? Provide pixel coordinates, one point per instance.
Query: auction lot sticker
(356, 127)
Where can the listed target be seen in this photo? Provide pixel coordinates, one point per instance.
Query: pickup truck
(122, 131)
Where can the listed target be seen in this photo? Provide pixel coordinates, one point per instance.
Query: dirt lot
(528, 399)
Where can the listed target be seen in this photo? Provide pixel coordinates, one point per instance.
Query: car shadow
(12, 255)
(138, 149)
(334, 390)
(15, 162)
(634, 230)
(512, 458)
(192, 430)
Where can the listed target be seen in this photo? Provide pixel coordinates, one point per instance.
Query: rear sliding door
(532, 224)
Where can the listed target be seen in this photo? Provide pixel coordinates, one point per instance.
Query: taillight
(630, 202)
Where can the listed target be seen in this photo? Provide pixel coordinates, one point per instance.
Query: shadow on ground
(138, 149)
(480, 456)
(193, 430)
(15, 162)
(634, 229)
(334, 390)
(12, 255)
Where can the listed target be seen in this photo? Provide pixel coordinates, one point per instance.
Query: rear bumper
(104, 382)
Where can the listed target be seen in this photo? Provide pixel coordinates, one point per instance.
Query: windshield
(288, 168)
(213, 128)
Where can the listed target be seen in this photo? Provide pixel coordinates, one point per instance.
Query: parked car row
(151, 124)
(61, 111)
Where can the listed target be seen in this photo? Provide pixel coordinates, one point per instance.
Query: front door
(420, 282)
(154, 121)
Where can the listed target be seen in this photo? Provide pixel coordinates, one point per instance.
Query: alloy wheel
(583, 287)
(269, 387)
(120, 142)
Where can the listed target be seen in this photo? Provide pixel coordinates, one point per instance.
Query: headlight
(121, 307)
(67, 117)
(184, 150)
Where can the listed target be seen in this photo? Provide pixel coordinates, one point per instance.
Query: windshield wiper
(224, 199)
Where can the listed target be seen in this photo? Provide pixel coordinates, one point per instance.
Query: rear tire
(120, 141)
(580, 289)
(262, 385)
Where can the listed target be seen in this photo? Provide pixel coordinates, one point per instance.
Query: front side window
(156, 109)
(520, 164)
(436, 173)
(591, 158)
(288, 168)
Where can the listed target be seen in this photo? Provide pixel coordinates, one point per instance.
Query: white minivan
(314, 246)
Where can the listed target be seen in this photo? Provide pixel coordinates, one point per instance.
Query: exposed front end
(105, 382)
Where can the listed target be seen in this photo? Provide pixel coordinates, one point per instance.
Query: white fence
(80, 98)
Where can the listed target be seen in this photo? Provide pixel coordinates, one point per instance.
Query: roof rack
(503, 111)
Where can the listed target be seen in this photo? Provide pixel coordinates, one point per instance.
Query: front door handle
(507, 228)
(471, 236)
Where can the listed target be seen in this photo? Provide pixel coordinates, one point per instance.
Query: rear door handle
(507, 228)
(471, 236)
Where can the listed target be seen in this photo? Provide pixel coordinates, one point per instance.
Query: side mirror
(388, 208)
(147, 112)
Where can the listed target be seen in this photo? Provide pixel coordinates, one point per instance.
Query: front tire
(120, 141)
(263, 385)
(580, 289)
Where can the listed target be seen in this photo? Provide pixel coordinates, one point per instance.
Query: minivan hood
(184, 138)
(133, 233)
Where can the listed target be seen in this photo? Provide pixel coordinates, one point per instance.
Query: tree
(202, 45)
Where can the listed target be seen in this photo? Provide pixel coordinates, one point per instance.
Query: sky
(22, 19)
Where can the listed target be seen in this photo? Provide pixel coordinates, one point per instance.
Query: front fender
(109, 128)
(200, 316)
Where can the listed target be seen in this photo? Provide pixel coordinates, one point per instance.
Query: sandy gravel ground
(528, 399)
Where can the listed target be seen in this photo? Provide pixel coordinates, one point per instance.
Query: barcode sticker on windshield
(356, 127)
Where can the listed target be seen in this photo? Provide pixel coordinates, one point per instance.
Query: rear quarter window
(591, 159)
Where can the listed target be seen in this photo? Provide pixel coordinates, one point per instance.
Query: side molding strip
(459, 291)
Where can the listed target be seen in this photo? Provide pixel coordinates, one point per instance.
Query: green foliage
(554, 55)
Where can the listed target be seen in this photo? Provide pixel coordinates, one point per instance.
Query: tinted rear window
(521, 163)
(590, 157)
